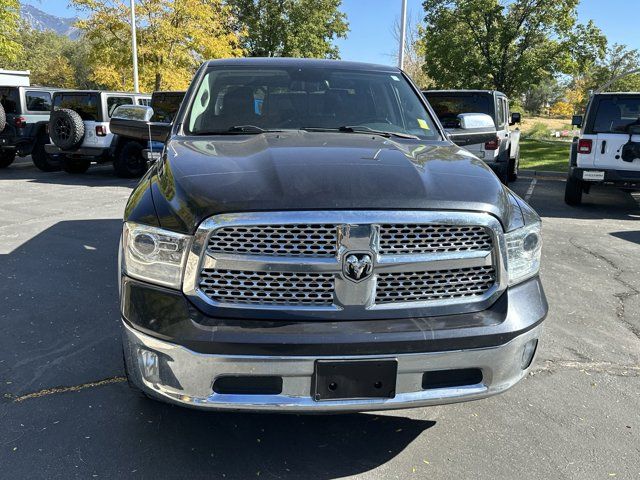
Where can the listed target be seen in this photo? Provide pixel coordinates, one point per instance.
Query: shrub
(539, 131)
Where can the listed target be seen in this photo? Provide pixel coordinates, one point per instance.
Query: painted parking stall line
(532, 185)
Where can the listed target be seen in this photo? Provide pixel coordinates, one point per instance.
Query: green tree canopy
(290, 28)
(10, 48)
(174, 37)
(508, 45)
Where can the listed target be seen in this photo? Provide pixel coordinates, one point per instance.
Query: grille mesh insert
(318, 240)
(417, 239)
(267, 288)
(434, 285)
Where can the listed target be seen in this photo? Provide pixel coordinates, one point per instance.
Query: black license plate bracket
(353, 379)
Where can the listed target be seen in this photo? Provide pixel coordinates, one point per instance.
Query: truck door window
(10, 99)
(115, 102)
(500, 117)
(38, 101)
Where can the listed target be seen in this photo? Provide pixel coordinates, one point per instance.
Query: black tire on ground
(7, 157)
(573, 191)
(502, 171)
(128, 162)
(3, 118)
(66, 129)
(75, 165)
(42, 159)
(514, 167)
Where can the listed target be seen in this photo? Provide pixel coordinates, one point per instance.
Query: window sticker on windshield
(393, 77)
(422, 123)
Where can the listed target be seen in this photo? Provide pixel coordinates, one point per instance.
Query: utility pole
(134, 47)
(403, 33)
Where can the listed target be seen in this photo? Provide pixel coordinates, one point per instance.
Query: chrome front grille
(419, 262)
(267, 288)
(434, 285)
(417, 239)
(316, 240)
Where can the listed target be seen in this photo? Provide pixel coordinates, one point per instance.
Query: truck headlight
(154, 254)
(523, 252)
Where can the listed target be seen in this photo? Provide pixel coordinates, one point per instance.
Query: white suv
(607, 152)
(80, 135)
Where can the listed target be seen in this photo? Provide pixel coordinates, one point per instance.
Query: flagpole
(134, 47)
(403, 33)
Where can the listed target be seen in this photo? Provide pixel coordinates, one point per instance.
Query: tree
(508, 45)
(413, 51)
(537, 97)
(619, 59)
(46, 55)
(174, 37)
(10, 49)
(561, 109)
(290, 28)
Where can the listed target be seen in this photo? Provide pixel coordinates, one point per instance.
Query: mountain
(40, 20)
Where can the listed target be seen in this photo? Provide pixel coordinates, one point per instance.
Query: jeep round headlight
(523, 252)
(153, 254)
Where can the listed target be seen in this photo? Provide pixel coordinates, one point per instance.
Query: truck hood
(300, 170)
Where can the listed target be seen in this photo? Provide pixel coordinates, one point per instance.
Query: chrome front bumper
(186, 378)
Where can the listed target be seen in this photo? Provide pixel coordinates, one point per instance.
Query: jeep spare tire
(3, 118)
(66, 129)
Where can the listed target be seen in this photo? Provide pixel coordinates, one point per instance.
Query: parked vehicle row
(69, 129)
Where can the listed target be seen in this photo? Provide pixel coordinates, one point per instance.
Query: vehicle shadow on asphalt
(242, 445)
(629, 236)
(96, 176)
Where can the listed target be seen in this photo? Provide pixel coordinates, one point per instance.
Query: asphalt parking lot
(65, 411)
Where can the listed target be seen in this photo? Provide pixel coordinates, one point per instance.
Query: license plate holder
(593, 175)
(347, 379)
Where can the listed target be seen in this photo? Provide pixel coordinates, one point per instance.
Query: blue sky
(371, 23)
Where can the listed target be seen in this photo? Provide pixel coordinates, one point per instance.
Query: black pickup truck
(311, 241)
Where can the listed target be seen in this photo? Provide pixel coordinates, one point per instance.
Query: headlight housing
(524, 246)
(153, 254)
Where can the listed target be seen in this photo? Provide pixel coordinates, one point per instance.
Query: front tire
(7, 157)
(573, 191)
(75, 166)
(129, 162)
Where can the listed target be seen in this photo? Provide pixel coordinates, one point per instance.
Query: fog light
(149, 365)
(528, 352)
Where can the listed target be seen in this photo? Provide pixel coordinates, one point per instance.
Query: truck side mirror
(515, 118)
(474, 128)
(133, 121)
(576, 120)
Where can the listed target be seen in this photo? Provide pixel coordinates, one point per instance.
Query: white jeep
(607, 151)
(80, 134)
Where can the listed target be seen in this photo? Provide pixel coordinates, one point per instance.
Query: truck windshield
(616, 114)
(254, 100)
(448, 107)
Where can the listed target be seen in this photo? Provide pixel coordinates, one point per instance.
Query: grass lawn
(544, 155)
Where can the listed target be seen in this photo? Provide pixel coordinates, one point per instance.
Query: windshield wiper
(238, 129)
(360, 129)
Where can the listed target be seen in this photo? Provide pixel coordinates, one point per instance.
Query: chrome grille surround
(355, 231)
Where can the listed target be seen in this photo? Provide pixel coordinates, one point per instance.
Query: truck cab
(502, 153)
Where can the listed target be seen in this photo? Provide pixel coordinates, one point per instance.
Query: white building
(14, 78)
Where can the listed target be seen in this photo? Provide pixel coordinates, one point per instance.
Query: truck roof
(616, 93)
(293, 62)
(104, 91)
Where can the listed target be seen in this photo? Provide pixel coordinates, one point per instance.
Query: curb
(542, 173)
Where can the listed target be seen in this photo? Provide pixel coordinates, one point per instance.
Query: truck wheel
(3, 118)
(502, 171)
(41, 159)
(573, 191)
(66, 129)
(129, 162)
(7, 157)
(514, 166)
(75, 165)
